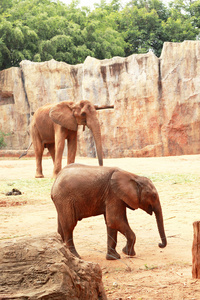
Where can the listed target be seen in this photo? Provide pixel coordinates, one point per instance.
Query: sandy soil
(153, 273)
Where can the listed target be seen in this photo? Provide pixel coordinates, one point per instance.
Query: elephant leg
(51, 148)
(66, 227)
(72, 146)
(116, 219)
(60, 231)
(39, 149)
(111, 244)
(59, 148)
(125, 229)
(70, 244)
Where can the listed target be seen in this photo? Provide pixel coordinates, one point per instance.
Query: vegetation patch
(30, 189)
(41, 30)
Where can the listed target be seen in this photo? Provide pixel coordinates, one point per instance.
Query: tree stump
(196, 250)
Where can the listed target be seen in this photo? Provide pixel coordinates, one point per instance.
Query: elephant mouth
(149, 210)
(81, 121)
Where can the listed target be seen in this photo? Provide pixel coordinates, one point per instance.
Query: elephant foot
(54, 175)
(56, 171)
(74, 252)
(61, 235)
(39, 176)
(129, 252)
(112, 255)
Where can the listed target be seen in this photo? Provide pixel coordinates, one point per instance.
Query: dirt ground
(153, 273)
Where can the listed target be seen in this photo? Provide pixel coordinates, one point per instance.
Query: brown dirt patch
(153, 273)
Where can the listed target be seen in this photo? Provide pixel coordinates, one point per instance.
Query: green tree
(18, 42)
(194, 10)
(40, 30)
(157, 5)
(180, 25)
(5, 4)
(102, 36)
(147, 24)
(142, 30)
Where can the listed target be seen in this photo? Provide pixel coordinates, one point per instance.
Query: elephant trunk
(94, 126)
(160, 224)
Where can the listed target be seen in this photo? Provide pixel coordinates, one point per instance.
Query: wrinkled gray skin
(53, 123)
(82, 191)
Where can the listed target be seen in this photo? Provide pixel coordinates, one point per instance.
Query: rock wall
(180, 95)
(153, 104)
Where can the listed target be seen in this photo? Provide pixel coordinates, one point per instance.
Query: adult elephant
(82, 191)
(53, 123)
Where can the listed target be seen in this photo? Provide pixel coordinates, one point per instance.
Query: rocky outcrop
(180, 95)
(150, 106)
(42, 268)
(14, 108)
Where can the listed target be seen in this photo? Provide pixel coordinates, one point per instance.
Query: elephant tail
(26, 151)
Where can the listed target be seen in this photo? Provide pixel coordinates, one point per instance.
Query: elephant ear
(126, 187)
(62, 114)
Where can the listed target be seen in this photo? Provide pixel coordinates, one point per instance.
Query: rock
(14, 192)
(50, 82)
(42, 268)
(180, 113)
(131, 85)
(14, 108)
(153, 106)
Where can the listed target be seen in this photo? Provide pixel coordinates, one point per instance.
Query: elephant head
(69, 115)
(139, 192)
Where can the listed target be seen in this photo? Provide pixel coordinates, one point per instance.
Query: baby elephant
(82, 191)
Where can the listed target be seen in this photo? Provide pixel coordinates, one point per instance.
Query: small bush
(2, 135)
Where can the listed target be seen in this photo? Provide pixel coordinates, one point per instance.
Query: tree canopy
(40, 30)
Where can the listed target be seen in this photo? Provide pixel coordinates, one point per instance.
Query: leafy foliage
(2, 141)
(40, 30)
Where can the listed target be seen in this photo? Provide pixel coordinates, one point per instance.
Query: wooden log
(196, 250)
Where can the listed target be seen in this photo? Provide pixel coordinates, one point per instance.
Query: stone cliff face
(151, 105)
(180, 74)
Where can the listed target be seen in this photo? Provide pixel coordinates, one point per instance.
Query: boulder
(148, 106)
(42, 268)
